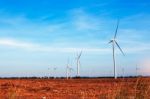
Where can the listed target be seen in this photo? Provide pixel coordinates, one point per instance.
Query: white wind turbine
(68, 70)
(78, 63)
(123, 73)
(114, 42)
(137, 70)
(55, 68)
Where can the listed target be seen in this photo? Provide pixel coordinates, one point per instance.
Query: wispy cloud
(37, 47)
(84, 21)
(80, 30)
(15, 43)
(29, 46)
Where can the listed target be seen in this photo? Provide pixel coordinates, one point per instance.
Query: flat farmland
(102, 88)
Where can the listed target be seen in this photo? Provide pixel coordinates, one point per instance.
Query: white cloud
(15, 43)
(84, 21)
(29, 46)
(44, 48)
(60, 31)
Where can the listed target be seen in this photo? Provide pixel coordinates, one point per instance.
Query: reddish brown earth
(105, 88)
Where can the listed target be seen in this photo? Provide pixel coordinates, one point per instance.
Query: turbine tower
(78, 63)
(114, 42)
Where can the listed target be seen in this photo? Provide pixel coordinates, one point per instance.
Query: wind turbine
(68, 70)
(55, 68)
(137, 69)
(78, 63)
(123, 72)
(114, 42)
(50, 71)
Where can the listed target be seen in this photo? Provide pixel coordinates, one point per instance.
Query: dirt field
(128, 88)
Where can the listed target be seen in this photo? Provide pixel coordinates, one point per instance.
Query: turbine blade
(80, 55)
(116, 29)
(119, 48)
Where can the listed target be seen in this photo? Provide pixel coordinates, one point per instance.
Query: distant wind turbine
(123, 73)
(68, 70)
(137, 69)
(114, 42)
(50, 71)
(78, 63)
(55, 68)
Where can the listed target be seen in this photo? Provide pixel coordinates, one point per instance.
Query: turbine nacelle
(112, 40)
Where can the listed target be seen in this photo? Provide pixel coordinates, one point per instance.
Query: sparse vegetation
(104, 88)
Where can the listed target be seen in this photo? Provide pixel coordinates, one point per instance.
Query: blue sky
(36, 35)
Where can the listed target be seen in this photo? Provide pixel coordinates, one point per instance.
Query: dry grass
(128, 88)
(141, 90)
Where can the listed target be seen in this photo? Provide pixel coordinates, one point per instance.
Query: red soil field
(103, 88)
